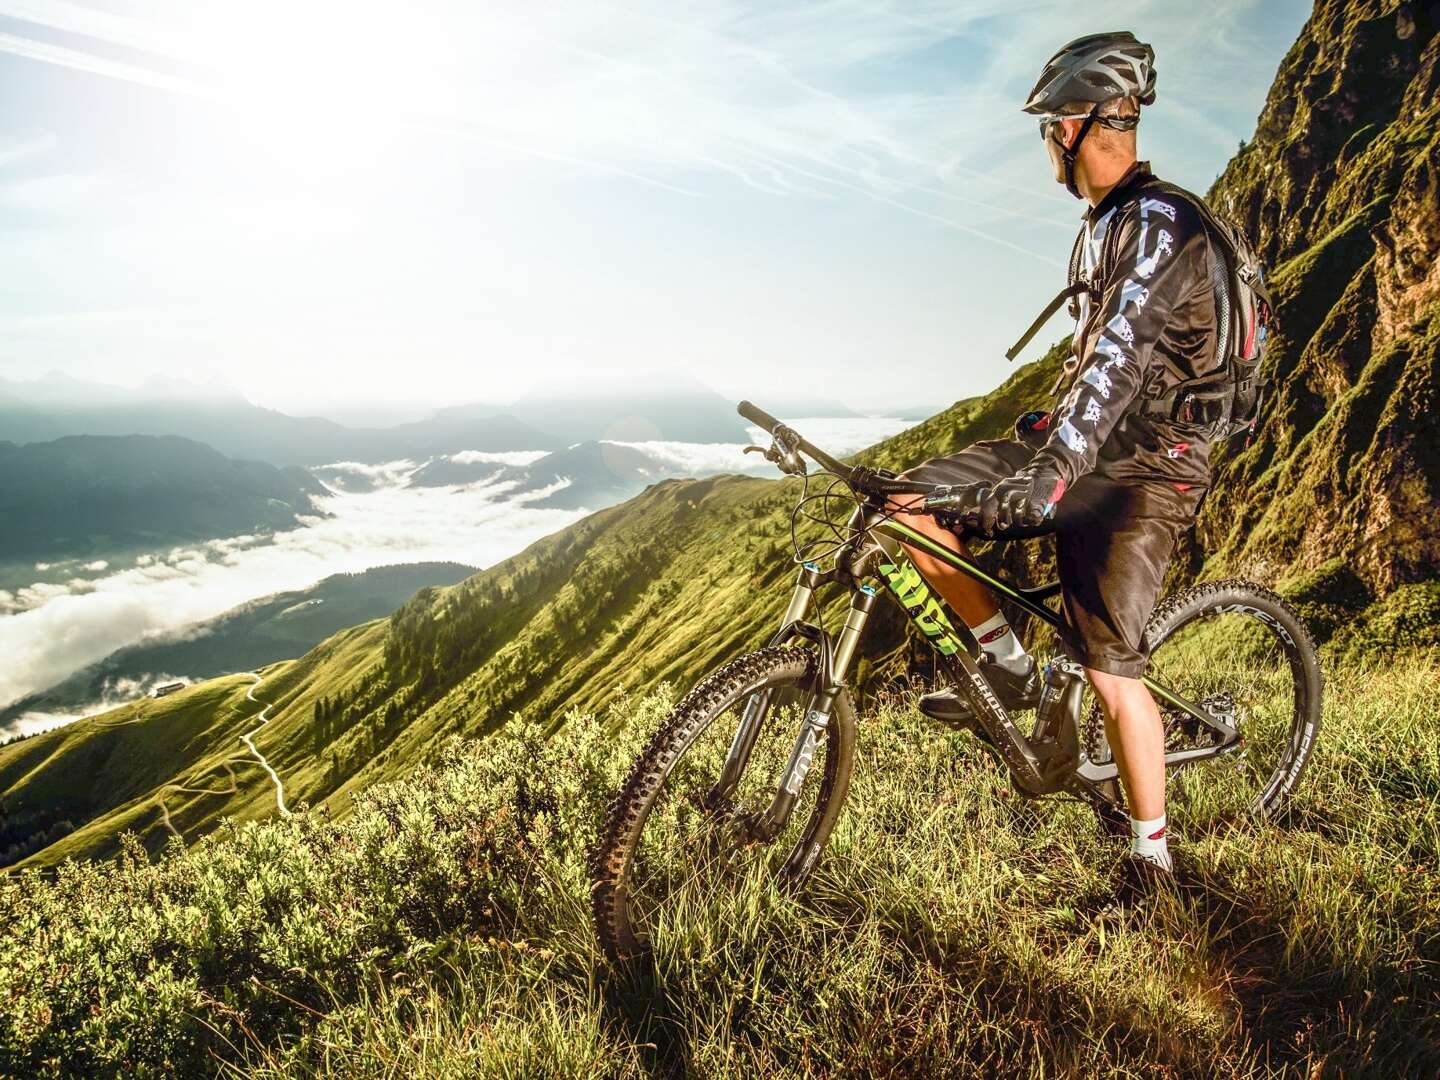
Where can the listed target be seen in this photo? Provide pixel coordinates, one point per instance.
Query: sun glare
(327, 84)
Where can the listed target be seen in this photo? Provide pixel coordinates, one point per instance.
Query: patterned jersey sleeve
(1160, 258)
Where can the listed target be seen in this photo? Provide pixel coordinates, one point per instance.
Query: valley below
(470, 509)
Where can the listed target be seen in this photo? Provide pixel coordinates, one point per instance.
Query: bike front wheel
(1242, 655)
(669, 843)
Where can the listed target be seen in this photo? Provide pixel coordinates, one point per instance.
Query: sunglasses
(1117, 123)
(1049, 120)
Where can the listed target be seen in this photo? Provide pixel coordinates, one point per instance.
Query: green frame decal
(922, 605)
(914, 538)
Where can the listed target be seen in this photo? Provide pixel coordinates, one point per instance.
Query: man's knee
(1114, 690)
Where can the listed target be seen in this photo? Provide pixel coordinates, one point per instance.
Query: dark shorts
(1113, 544)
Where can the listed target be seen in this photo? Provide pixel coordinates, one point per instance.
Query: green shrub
(443, 928)
(141, 968)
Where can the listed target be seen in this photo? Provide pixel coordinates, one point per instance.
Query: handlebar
(946, 499)
(864, 480)
(760, 418)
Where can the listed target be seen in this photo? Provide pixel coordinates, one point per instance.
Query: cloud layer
(78, 623)
(59, 627)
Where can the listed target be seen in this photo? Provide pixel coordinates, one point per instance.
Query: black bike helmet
(1096, 68)
(1093, 70)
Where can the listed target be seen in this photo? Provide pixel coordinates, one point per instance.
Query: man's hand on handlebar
(1028, 498)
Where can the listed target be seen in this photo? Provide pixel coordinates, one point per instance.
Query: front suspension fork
(833, 667)
(758, 704)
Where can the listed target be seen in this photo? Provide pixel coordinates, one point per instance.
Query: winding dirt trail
(232, 787)
(247, 740)
(190, 789)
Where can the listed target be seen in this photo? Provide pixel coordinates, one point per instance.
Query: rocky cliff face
(1340, 188)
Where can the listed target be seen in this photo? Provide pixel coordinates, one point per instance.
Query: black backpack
(1226, 399)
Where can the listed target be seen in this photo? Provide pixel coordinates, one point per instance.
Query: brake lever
(783, 451)
(955, 503)
(941, 499)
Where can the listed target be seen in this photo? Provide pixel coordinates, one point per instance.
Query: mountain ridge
(1340, 189)
(58, 498)
(233, 425)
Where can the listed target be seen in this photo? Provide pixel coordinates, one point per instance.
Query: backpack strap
(1109, 250)
(1206, 398)
(1196, 401)
(1074, 287)
(1072, 271)
(1221, 235)
(1064, 294)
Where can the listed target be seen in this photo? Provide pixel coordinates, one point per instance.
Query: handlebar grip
(758, 416)
(897, 486)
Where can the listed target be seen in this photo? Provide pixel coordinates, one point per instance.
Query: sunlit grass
(443, 929)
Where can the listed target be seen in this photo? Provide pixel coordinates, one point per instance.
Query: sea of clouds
(51, 629)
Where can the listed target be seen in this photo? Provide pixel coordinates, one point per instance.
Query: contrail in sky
(948, 222)
(96, 65)
(660, 74)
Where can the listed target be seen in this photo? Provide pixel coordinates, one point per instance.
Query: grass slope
(109, 772)
(443, 929)
(661, 588)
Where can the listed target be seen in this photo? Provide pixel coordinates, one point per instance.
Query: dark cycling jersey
(1149, 324)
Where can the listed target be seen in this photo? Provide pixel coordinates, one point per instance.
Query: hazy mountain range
(674, 407)
(594, 473)
(84, 494)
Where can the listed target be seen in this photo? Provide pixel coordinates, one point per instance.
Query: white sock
(996, 638)
(1147, 840)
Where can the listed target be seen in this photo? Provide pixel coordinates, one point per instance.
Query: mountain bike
(750, 770)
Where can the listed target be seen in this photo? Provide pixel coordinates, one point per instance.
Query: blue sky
(326, 203)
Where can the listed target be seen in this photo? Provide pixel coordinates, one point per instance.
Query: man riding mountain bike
(749, 771)
(1116, 481)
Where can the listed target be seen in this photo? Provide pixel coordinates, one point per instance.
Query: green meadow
(443, 927)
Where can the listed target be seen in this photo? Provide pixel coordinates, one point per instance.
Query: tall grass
(443, 929)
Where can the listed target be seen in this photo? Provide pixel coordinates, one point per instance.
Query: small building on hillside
(167, 688)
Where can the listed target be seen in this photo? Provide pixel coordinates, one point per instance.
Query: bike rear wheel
(1240, 653)
(667, 845)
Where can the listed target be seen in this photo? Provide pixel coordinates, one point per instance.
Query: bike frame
(877, 548)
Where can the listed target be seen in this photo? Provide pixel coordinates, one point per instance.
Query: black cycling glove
(1028, 498)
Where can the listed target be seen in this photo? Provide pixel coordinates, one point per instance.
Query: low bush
(443, 929)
